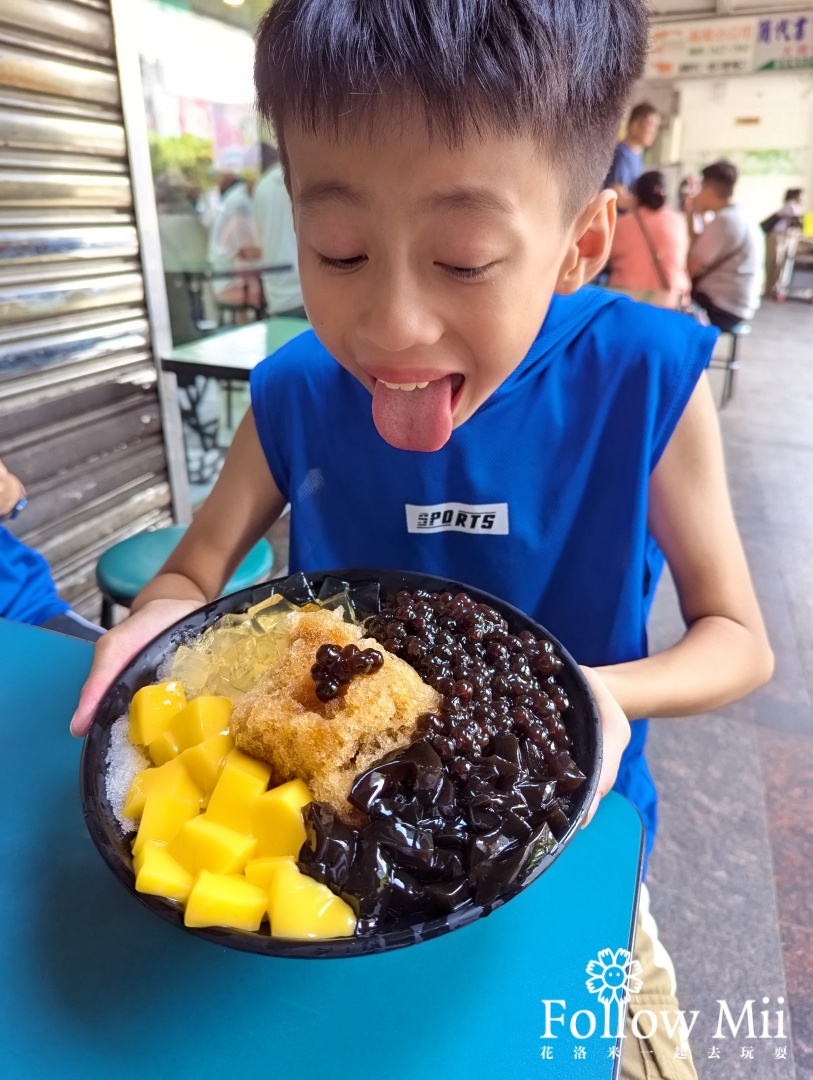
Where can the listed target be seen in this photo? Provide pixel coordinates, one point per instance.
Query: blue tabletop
(93, 985)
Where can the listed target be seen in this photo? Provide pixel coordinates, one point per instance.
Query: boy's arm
(725, 652)
(243, 505)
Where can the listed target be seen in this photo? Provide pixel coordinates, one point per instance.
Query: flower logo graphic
(614, 976)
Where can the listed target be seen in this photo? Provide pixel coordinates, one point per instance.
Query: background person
(233, 244)
(628, 161)
(726, 258)
(274, 221)
(778, 230)
(651, 244)
(27, 590)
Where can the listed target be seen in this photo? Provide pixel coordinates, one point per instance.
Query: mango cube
(301, 908)
(159, 874)
(262, 871)
(252, 766)
(151, 710)
(170, 779)
(204, 760)
(163, 748)
(163, 817)
(205, 716)
(203, 844)
(277, 819)
(225, 900)
(237, 790)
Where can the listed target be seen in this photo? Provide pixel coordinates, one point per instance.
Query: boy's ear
(588, 243)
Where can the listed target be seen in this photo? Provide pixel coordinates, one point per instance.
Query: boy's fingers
(89, 698)
(117, 647)
(615, 731)
(106, 664)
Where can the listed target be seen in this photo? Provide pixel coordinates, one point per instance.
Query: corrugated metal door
(80, 417)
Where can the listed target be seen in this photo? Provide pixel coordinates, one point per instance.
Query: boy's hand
(615, 731)
(117, 646)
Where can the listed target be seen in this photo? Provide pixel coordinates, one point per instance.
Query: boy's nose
(397, 317)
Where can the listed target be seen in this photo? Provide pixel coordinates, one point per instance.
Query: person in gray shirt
(726, 260)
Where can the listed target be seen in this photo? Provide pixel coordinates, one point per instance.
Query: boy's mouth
(416, 415)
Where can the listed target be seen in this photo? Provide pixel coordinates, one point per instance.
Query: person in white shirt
(726, 259)
(274, 221)
(779, 229)
(233, 244)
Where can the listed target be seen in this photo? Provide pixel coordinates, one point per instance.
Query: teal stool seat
(124, 569)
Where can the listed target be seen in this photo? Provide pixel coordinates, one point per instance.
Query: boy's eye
(342, 264)
(466, 272)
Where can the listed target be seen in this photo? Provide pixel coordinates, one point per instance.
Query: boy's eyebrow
(474, 198)
(459, 198)
(322, 190)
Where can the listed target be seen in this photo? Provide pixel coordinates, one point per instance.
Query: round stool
(124, 569)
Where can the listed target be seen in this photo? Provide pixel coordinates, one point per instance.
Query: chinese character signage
(735, 46)
(784, 41)
(710, 47)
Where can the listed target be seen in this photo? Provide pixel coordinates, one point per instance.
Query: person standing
(642, 131)
(274, 221)
(651, 244)
(726, 258)
(779, 229)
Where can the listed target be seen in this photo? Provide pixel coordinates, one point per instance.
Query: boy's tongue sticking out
(417, 419)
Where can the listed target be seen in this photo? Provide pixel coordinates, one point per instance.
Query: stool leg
(107, 612)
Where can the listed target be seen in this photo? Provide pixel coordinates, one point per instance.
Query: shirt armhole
(690, 368)
(270, 416)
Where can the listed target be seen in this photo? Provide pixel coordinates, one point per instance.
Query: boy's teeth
(406, 385)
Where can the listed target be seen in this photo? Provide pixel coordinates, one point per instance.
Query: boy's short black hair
(558, 70)
(722, 176)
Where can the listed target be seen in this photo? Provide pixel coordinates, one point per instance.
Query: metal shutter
(80, 410)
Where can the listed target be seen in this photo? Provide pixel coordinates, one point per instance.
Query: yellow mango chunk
(301, 908)
(151, 710)
(262, 871)
(204, 760)
(225, 900)
(163, 748)
(170, 779)
(250, 765)
(201, 718)
(159, 874)
(277, 819)
(235, 793)
(202, 844)
(163, 817)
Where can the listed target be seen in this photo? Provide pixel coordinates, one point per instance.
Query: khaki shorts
(657, 1056)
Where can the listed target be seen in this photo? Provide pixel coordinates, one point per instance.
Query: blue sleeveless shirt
(540, 498)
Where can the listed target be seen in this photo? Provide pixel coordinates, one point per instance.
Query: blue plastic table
(94, 986)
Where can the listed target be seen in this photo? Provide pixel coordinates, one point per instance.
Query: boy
(445, 160)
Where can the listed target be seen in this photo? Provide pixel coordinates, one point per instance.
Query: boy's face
(428, 268)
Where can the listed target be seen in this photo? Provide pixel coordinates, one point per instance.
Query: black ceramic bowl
(582, 722)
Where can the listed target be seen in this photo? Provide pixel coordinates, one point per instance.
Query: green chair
(730, 363)
(124, 569)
